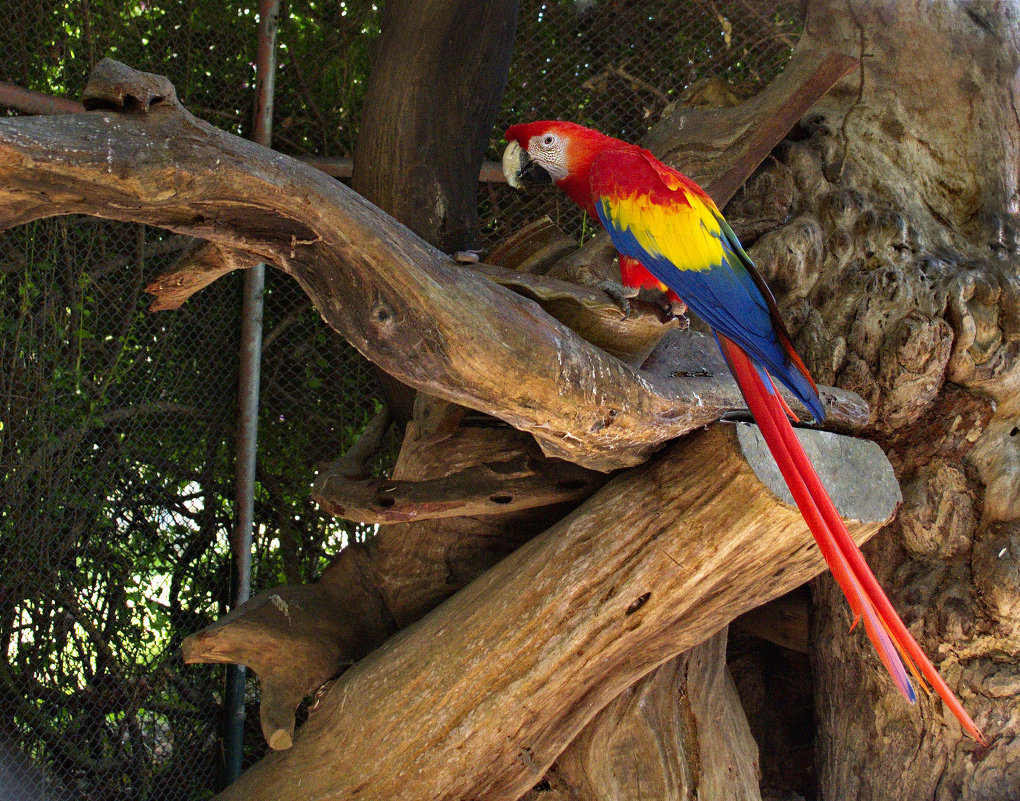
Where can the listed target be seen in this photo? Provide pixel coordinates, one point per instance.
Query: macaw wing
(666, 221)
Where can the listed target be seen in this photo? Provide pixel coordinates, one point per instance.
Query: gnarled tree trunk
(899, 271)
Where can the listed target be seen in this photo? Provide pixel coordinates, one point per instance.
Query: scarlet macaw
(669, 233)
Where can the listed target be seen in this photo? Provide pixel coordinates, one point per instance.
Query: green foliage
(117, 426)
(324, 60)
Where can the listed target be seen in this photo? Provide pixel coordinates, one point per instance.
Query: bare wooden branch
(384, 289)
(590, 313)
(532, 248)
(297, 637)
(201, 264)
(560, 627)
(484, 489)
(720, 147)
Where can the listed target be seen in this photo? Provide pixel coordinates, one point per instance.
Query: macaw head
(560, 152)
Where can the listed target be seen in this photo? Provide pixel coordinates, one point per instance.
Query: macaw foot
(467, 256)
(619, 294)
(675, 309)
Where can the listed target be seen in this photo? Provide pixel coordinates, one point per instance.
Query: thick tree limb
(559, 628)
(372, 280)
(296, 638)
(721, 147)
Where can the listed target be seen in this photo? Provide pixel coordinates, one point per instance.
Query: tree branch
(385, 290)
(485, 489)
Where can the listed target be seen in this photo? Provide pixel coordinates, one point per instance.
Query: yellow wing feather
(687, 235)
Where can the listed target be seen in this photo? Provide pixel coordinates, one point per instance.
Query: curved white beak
(515, 158)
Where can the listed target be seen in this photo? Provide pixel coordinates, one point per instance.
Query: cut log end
(856, 472)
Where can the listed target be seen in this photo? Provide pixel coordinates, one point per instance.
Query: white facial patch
(549, 151)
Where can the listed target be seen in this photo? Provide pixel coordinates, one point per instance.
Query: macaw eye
(549, 139)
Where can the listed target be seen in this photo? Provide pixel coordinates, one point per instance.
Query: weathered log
(560, 627)
(720, 147)
(418, 565)
(678, 734)
(297, 637)
(197, 267)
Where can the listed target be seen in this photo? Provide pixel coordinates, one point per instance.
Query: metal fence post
(248, 400)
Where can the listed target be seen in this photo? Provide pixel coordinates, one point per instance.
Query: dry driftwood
(484, 489)
(720, 147)
(296, 638)
(632, 578)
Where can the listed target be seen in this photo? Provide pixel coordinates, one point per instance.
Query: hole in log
(571, 483)
(501, 499)
(385, 501)
(1015, 431)
(641, 601)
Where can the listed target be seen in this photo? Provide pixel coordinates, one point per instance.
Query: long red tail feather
(868, 602)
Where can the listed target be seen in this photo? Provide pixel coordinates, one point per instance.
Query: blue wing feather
(725, 294)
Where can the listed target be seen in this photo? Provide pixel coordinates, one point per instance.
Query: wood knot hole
(382, 316)
(640, 601)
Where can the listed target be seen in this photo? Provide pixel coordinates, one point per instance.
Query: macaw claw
(619, 294)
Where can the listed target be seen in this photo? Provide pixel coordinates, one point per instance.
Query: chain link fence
(117, 426)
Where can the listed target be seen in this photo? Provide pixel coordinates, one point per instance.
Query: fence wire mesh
(117, 426)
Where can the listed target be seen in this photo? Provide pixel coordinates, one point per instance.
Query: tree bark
(423, 136)
(678, 734)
